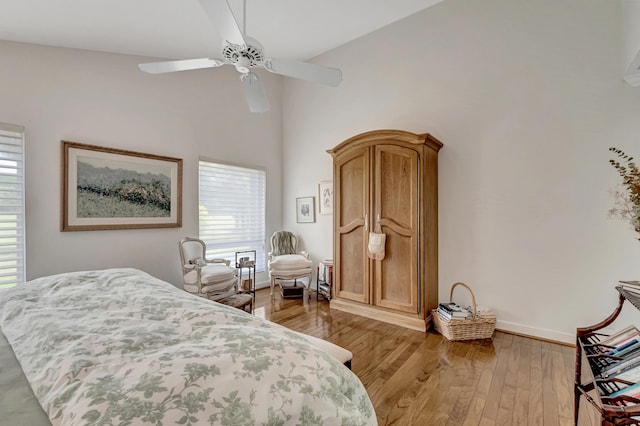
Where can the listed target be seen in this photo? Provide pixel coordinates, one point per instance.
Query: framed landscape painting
(106, 188)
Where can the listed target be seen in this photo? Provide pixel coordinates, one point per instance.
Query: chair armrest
(225, 261)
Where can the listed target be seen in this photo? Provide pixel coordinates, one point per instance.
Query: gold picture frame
(107, 188)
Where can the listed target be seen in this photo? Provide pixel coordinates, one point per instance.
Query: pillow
(198, 261)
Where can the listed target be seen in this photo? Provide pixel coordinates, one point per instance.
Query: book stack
(625, 344)
(325, 277)
(325, 271)
(625, 347)
(453, 311)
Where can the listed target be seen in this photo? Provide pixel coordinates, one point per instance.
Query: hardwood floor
(416, 378)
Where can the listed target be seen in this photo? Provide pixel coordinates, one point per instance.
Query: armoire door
(396, 278)
(352, 201)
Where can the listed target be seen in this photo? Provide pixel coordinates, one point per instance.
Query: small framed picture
(325, 197)
(305, 210)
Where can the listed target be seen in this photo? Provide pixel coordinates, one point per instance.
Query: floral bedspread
(119, 347)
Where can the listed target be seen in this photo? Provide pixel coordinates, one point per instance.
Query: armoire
(386, 181)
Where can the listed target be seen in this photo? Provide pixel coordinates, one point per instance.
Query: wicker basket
(467, 329)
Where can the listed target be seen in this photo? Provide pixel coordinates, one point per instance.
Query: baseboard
(536, 333)
(262, 284)
(408, 321)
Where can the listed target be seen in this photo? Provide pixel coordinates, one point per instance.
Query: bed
(119, 346)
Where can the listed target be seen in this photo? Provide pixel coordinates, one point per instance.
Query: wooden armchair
(212, 279)
(285, 263)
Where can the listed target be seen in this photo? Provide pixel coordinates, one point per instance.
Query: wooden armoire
(390, 178)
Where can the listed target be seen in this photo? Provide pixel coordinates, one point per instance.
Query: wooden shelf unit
(592, 360)
(247, 285)
(324, 287)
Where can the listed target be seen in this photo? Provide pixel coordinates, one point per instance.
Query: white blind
(232, 211)
(11, 205)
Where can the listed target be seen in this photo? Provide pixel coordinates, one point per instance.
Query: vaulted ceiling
(179, 29)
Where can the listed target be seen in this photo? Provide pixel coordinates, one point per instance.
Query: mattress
(122, 347)
(18, 404)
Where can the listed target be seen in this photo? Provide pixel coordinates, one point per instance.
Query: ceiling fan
(246, 53)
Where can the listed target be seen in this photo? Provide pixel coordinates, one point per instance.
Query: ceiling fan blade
(224, 22)
(253, 92)
(305, 71)
(184, 65)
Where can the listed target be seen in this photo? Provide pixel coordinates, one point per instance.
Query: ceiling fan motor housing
(244, 57)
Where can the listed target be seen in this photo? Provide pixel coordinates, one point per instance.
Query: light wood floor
(416, 378)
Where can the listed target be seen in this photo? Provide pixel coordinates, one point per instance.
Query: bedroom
(526, 97)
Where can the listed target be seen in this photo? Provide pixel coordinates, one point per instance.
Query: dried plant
(627, 201)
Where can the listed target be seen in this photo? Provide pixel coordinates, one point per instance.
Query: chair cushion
(219, 287)
(217, 296)
(290, 262)
(237, 300)
(213, 273)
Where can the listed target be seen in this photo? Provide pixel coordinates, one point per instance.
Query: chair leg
(271, 284)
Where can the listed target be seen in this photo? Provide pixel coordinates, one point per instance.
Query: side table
(247, 262)
(324, 280)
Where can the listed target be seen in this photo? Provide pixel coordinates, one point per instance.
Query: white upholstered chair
(213, 279)
(285, 264)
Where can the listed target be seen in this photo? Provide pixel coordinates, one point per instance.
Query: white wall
(526, 96)
(103, 99)
(629, 18)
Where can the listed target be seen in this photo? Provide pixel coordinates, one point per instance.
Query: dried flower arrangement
(627, 201)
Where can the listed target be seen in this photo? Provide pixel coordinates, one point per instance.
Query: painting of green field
(121, 190)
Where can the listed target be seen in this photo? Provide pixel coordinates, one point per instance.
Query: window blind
(12, 265)
(232, 211)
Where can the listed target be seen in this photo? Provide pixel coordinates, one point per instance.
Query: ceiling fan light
(243, 64)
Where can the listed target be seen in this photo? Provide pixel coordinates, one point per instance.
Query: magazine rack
(597, 369)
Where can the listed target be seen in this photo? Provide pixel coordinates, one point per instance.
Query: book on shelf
(626, 348)
(325, 271)
(621, 366)
(631, 374)
(620, 337)
(632, 391)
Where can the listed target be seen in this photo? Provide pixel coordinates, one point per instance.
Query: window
(232, 211)
(11, 205)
